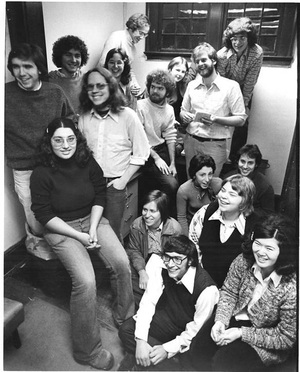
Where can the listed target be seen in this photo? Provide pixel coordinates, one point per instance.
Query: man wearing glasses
(137, 29)
(179, 298)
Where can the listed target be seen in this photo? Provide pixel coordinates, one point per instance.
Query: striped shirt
(245, 70)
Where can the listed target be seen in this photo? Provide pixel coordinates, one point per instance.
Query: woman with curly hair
(241, 59)
(255, 325)
(117, 63)
(69, 54)
(217, 229)
(68, 197)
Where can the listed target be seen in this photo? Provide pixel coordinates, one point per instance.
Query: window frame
(218, 18)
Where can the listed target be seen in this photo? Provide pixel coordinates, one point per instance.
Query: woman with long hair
(68, 197)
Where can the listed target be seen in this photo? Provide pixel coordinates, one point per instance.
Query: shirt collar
(188, 279)
(158, 229)
(216, 82)
(232, 52)
(239, 223)
(273, 276)
(34, 90)
(115, 117)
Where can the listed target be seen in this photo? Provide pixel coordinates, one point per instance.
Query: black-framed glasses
(90, 87)
(176, 260)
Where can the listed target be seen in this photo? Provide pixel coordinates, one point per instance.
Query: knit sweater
(27, 114)
(273, 316)
(71, 86)
(68, 192)
(189, 201)
(158, 121)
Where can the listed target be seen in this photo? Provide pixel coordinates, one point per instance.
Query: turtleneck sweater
(68, 192)
(158, 121)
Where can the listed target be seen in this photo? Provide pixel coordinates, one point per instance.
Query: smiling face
(176, 271)
(178, 71)
(203, 177)
(205, 65)
(97, 87)
(26, 73)
(71, 62)
(116, 65)
(139, 34)
(151, 215)
(229, 200)
(246, 165)
(266, 252)
(239, 42)
(64, 143)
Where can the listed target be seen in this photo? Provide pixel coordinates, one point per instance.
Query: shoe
(104, 360)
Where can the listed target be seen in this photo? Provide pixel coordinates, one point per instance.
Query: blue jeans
(83, 306)
(114, 209)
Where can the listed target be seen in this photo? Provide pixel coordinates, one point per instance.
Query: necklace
(200, 191)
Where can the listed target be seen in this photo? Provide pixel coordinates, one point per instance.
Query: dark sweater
(27, 114)
(68, 192)
(217, 256)
(177, 303)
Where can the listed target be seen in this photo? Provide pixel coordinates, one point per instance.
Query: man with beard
(210, 106)
(158, 119)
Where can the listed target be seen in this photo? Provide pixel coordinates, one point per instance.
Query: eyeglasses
(234, 39)
(59, 141)
(177, 260)
(90, 87)
(142, 34)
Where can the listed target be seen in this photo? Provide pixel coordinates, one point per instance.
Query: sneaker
(104, 360)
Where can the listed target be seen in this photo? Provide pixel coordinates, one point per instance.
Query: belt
(203, 139)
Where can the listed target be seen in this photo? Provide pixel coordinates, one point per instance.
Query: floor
(45, 334)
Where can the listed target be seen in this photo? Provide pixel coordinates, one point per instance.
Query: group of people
(208, 273)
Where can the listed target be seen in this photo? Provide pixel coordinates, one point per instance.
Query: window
(176, 28)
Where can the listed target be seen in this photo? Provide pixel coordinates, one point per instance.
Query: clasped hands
(146, 355)
(164, 168)
(90, 241)
(222, 336)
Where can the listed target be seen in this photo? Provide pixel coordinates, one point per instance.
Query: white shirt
(203, 308)
(226, 227)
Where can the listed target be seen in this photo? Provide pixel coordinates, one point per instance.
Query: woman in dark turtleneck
(68, 197)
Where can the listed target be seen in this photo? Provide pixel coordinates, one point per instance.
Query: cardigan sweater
(189, 202)
(137, 248)
(27, 114)
(274, 316)
(69, 192)
(158, 122)
(217, 256)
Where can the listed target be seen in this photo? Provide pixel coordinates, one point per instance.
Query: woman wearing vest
(217, 228)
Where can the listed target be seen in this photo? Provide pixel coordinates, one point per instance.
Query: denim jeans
(22, 188)
(83, 306)
(215, 149)
(114, 209)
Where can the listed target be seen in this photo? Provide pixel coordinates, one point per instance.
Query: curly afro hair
(64, 44)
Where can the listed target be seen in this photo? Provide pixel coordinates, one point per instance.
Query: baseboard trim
(15, 257)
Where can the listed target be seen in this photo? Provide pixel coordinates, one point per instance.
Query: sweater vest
(177, 302)
(217, 256)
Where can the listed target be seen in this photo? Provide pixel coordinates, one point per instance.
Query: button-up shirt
(244, 70)
(154, 239)
(117, 140)
(223, 98)
(203, 308)
(226, 227)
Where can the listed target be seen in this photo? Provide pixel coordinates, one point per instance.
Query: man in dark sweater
(179, 298)
(30, 105)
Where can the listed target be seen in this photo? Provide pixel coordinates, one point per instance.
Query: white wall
(273, 114)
